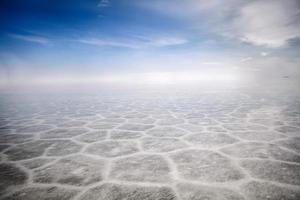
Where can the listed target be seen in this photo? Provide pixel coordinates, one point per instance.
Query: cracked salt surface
(223, 145)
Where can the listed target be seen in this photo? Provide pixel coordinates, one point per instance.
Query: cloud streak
(104, 3)
(31, 38)
(135, 43)
(111, 43)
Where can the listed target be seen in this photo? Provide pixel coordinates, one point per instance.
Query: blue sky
(68, 37)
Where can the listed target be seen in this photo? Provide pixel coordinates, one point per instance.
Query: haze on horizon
(171, 41)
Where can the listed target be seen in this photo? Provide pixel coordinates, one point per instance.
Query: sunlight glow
(188, 77)
(154, 78)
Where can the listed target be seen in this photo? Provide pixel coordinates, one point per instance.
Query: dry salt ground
(224, 145)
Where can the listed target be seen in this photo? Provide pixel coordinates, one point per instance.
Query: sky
(91, 39)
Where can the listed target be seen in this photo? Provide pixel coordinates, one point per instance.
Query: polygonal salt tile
(76, 170)
(71, 124)
(110, 115)
(28, 150)
(111, 191)
(153, 144)
(266, 122)
(56, 120)
(34, 128)
(43, 193)
(235, 127)
(216, 129)
(198, 192)
(102, 125)
(6, 130)
(135, 127)
(63, 148)
(258, 135)
(294, 123)
(141, 168)
(142, 121)
(293, 144)
(239, 115)
(273, 171)
(5, 122)
(111, 120)
(230, 120)
(267, 191)
(37, 162)
(63, 133)
(166, 132)
(291, 131)
(90, 117)
(3, 147)
(15, 138)
(194, 115)
(10, 176)
(93, 136)
(210, 140)
(203, 121)
(256, 127)
(135, 115)
(260, 115)
(191, 128)
(113, 148)
(206, 166)
(260, 150)
(170, 121)
(119, 135)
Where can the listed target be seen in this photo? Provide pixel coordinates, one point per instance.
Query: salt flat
(113, 144)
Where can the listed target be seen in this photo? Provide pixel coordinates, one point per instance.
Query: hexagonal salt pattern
(195, 192)
(205, 166)
(273, 171)
(265, 190)
(210, 140)
(142, 145)
(43, 193)
(261, 150)
(133, 192)
(112, 148)
(73, 170)
(11, 176)
(141, 168)
(162, 144)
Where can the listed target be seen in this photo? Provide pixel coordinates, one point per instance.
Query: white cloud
(136, 43)
(246, 59)
(268, 23)
(31, 38)
(103, 3)
(167, 41)
(264, 53)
